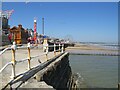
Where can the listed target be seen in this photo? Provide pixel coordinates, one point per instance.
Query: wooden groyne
(96, 54)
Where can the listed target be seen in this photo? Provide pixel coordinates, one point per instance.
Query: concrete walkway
(22, 66)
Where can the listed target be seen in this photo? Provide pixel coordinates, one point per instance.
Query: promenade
(22, 67)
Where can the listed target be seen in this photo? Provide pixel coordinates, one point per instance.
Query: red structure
(20, 35)
(35, 30)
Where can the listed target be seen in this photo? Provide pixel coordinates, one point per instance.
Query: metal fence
(14, 62)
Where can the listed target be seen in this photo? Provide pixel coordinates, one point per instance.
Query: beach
(91, 50)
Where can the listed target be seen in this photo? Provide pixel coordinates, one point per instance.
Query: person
(29, 40)
(10, 38)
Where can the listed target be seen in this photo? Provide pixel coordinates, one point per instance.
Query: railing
(4, 50)
(29, 57)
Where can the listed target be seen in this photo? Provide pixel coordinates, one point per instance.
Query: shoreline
(91, 50)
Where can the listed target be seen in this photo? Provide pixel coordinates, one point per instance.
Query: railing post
(47, 51)
(29, 57)
(62, 48)
(54, 49)
(13, 60)
(59, 47)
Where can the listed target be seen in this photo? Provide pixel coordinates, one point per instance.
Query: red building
(20, 35)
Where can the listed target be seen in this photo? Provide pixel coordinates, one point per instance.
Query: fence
(29, 57)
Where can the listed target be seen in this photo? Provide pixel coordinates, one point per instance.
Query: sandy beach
(91, 49)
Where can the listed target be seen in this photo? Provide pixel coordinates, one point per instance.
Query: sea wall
(58, 74)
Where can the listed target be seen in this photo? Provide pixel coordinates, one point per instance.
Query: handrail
(5, 66)
(3, 51)
(25, 59)
(29, 58)
(22, 60)
(23, 47)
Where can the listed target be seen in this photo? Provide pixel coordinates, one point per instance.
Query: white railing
(3, 51)
(9, 63)
(29, 57)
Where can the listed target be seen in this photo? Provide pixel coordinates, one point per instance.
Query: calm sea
(95, 71)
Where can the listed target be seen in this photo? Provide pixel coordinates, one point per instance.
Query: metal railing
(3, 51)
(14, 62)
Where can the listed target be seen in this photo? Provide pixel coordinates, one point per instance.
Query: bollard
(13, 60)
(54, 49)
(62, 48)
(59, 47)
(29, 56)
(47, 51)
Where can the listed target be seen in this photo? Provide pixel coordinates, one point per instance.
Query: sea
(105, 45)
(95, 71)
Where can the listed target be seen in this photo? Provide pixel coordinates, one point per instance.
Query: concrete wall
(58, 74)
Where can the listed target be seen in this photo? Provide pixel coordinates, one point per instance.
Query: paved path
(22, 66)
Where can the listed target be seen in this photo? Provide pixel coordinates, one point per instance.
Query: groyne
(92, 51)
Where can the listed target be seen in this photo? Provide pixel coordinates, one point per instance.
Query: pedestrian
(29, 40)
(10, 38)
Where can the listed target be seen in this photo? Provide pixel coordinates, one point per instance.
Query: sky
(79, 21)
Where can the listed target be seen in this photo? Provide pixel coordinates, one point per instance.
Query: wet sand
(89, 49)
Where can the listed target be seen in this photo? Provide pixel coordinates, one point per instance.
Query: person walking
(10, 38)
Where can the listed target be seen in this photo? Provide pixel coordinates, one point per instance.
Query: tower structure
(35, 29)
